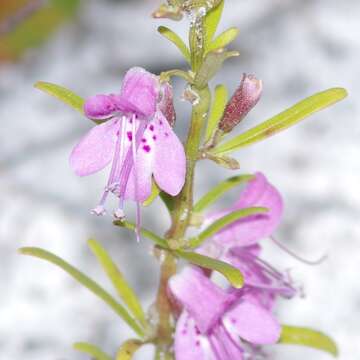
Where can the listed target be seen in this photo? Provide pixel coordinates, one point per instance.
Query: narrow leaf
(148, 234)
(176, 40)
(224, 39)
(62, 94)
(125, 292)
(92, 350)
(224, 222)
(128, 349)
(217, 110)
(283, 120)
(308, 337)
(85, 281)
(155, 191)
(219, 190)
(211, 22)
(233, 275)
(211, 65)
(226, 162)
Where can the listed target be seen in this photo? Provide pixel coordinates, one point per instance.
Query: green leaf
(125, 292)
(308, 337)
(211, 65)
(283, 120)
(148, 234)
(211, 22)
(92, 350)
(219, 190)
(62, 94)
(217, 110)
(226, 162)
(224, 39)
(168, 201)
(233, 275)
(128, 349)
(176, 40)
(155, 191)
(223, 222)
(85, 281)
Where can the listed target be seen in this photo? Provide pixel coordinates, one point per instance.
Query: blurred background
(297, 47)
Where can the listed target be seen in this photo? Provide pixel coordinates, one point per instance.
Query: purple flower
(136, 137)
(214, 322)
(238, 243)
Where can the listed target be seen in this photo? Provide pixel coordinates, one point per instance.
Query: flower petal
(170, 160)
(166, 104)
(141, 89)
(224, 346)
(99, 107)
(96, 149)
(189, 343)
(203, 300)
(250, 230)
(252, 323)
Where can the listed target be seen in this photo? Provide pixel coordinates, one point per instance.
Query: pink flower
(214, 322)
(238, 243)
(136, 138)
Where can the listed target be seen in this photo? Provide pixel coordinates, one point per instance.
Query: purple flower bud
(243, 100)
(166, 104)
(99, 107)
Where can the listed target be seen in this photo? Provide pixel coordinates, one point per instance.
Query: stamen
(137, 229)
(297, 257)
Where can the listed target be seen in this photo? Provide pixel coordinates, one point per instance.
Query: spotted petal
(96, 149)
(252, 323)
(189, 343)
(170, 160)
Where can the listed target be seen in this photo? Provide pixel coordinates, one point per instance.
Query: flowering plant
(196, 316)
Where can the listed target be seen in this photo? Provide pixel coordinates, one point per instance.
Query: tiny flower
(136, 138)
(214, 323)
(243, 100)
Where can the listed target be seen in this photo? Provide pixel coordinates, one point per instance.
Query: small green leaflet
(128, 349)
(283, 120)
(176, 40)
(211, 22)
(217, 110)
(223, 39)
(92, 350)
(219, 190)
(62, 94)
(86, 282)
(233, 275)
(124, 290)
(155, 191)
(308, 337)
(211, 65)
(223, 222)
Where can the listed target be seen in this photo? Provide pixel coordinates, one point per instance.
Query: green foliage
(223, 222)
(223, 39)
(65, 95)
(217, 110)
(211, 65)
(176, 40)
(233, 275)
(211, 22)
(283, 120)
(155, 191)
(123, 289)
(86, 282)
(219, 190)
(308, 337)
(92, 350)
(128, 349)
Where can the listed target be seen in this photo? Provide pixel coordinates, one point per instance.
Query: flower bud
(99, 107)
(166, 103)
(243, 100)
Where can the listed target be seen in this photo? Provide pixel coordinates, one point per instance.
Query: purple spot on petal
(197, 343)
(151, 127)
(118, 133)
(160, 122)
(166, 134)
(147, 148)
(154, 137)
(143, 140)
(129, 135)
